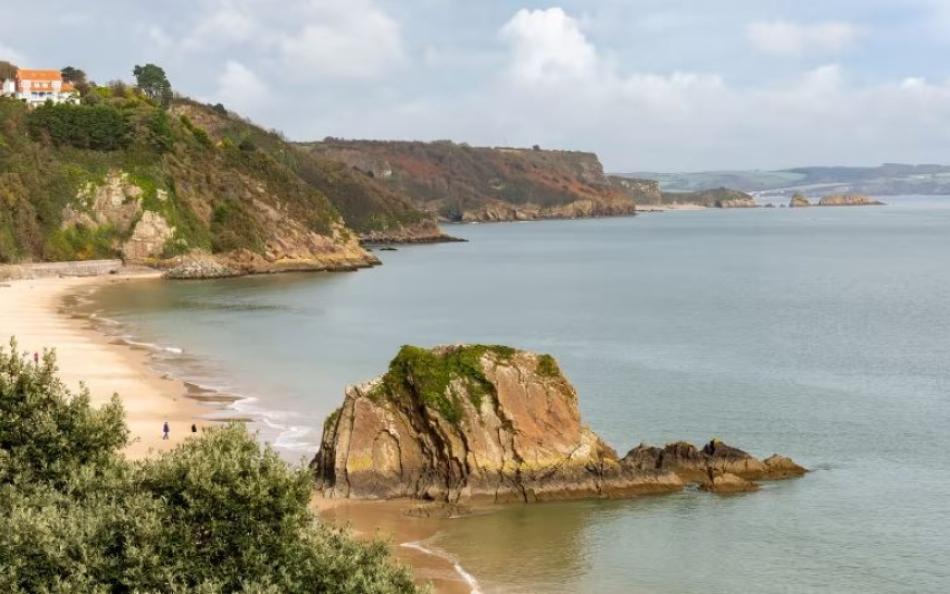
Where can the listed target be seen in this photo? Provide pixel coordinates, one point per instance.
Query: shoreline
(36, 313)
(41, 314)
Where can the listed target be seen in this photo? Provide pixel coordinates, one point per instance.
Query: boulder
(725, 483)
(198, 264)
(475, 422)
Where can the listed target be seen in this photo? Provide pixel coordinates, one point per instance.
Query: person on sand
(194, 428)
(165, 430)
(36, 358)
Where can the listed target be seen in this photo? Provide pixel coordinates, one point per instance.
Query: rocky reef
(491, 423)
(848, 200)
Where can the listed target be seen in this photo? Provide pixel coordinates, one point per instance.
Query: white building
(39, 86)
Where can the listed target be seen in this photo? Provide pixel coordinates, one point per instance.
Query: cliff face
(463, 183)
(491, 423)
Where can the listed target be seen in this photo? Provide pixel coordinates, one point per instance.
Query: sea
(819, 333)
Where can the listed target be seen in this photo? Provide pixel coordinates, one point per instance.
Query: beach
(37, 312)
(33, 311)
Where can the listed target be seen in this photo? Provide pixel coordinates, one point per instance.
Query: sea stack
(799, 201)
(491, 423)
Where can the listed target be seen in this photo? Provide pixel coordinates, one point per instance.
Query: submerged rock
(462, 423)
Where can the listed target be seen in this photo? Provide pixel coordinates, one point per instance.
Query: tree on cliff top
(7, 70)
(218, 514)
(151, 80)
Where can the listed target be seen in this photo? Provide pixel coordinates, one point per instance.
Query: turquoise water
(823, 334)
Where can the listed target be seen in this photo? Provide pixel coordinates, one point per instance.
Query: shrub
(217, 514)
(98, 127)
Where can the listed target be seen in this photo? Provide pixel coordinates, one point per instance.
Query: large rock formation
(799, 201)
(492, 423)
(848, 200)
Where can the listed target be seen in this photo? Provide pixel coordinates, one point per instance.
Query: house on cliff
(36, 87)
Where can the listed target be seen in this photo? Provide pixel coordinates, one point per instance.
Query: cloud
(548, 45)
(304, 40)
(345, 40)
(784, 38)
(11, 55)
(240, 89)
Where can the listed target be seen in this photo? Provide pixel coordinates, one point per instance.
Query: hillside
(463, 183)
(121, 176)
(369, 207)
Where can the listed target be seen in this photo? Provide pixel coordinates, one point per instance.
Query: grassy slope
(366, 204)
(214, 191)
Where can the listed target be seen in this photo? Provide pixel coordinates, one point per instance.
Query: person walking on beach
(165, 430)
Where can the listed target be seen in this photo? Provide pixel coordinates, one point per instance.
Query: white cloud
(548, 45)
(346, 40)
(11, 55)
(786, 38)
(240, 89)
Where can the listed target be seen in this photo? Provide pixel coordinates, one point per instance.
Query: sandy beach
(36, 312)
(33, 311)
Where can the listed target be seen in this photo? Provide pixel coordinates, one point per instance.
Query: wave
(466, 576)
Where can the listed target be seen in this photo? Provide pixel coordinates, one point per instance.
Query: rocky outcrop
(426, 231)
(849, 200)
(725, 483)
(114, 202)
(464, 423)
(695, 465)
(148, 239)
(799, 201)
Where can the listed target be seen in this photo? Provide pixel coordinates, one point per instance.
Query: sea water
(819, 333)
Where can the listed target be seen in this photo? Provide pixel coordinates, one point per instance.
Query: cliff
(492, 423)
(848, 200)
(463, 183)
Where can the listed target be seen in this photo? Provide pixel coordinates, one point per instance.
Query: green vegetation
(428, 376)
(151, 80)
(217, 514)
(547, 366)
(98, 127)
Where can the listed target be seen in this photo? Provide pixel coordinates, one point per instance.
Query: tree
(7, 70)
(218, 514)
(151, 80)
(73, 75)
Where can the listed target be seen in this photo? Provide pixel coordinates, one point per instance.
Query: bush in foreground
(217, 514)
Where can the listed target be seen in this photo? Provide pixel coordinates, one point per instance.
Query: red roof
(44, 75)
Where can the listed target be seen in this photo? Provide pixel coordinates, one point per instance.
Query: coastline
(33, 311)
(39, 314)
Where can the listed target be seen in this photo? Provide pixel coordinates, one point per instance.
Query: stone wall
(59, 269)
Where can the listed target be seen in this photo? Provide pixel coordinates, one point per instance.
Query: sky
(649, 85)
